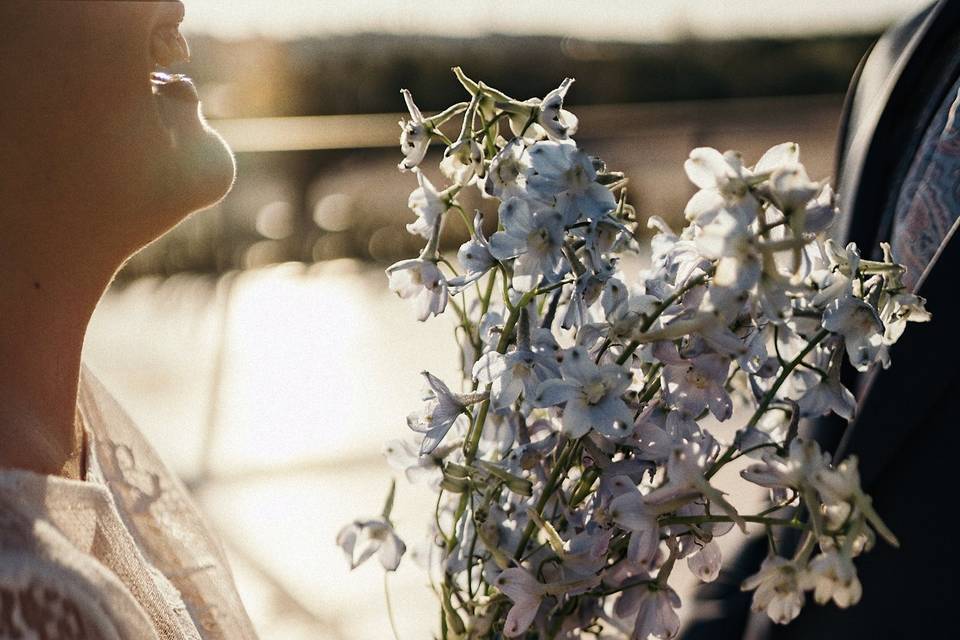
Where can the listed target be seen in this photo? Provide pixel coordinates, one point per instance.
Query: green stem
(386, 595)
(767, 399)
(388, 503)
(663, 306)
(651, 384)
(584, 485)
(623, 587)
(757, 519)
(556, 477)
(476, 429)
(769, 396)
(466, 219)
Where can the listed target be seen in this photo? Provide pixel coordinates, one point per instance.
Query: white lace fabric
(124, 554)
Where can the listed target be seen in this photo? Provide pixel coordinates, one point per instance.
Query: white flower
(421, 280)
(821, 211)
(593, 396)
(363, 538)
(463, 161)
(511, 374)
(505, 176)
(897, 310)
(842, 485)
(656, 615)
(559, 123)
(624, 312)
(443, 408)
(674, 260)
(535, 239)
(861, 328)
(835, 578)
(631, 513)
(526, 592)
(587, 290)
(833, 276)
(730, 239)
(692, 385)
(686, 466)
(585, 553)
(404, 456)
(724, 185)
(415, 135)
(705, 563)
(798, 469)
(791, 188)
(474, 256)
(429, 204)
(826, 394)
(777, 157)
(779, 589)
(562, 176)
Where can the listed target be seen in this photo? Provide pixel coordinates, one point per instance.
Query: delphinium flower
(705, 562)
(415, 136)
(474, 256)
(441, 411)
(423, 281)
(534, 238)
(591, 395)
(576, 466)
(506, 175)
(562, 176)
(653, 608)
(557, 122)
(527, 592)
(512, 374)
(361, 539)
(780, 586)
(428, 204)
(835, 578)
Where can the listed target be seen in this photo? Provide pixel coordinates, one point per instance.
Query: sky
(637, 20)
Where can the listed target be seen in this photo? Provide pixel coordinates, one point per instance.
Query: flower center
(521, 370)
(508, 171)
(538, 241)
(594, 391)
(696, 379)
(577, 178)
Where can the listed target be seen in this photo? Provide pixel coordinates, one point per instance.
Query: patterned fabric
(124, 555)
(929, 202)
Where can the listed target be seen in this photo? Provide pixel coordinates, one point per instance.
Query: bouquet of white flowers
(574, 469)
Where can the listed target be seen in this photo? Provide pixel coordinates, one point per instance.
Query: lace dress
(124, 554)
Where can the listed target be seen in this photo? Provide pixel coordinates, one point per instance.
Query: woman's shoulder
(49, 589)
(159, 513)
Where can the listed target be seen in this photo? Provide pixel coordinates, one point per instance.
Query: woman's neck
(45, 306)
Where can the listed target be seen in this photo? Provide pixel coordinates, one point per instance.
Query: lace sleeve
(46, 599)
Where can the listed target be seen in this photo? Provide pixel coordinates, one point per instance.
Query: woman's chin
(206, 169)
(203, 168)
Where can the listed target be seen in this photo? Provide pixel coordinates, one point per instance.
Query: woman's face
(90, 133)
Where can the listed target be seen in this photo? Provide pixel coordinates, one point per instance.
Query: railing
(308, 133)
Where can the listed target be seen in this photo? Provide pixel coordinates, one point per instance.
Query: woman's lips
(177, 101)
(175, 85)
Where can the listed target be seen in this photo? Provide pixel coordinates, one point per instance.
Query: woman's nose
(168, 46)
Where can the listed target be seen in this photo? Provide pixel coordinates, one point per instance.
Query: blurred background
(257, 344)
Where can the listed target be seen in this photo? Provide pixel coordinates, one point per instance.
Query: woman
(100, 153)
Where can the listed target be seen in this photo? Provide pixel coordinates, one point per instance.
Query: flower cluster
(575, 467)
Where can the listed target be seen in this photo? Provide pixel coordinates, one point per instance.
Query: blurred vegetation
(286, 206)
